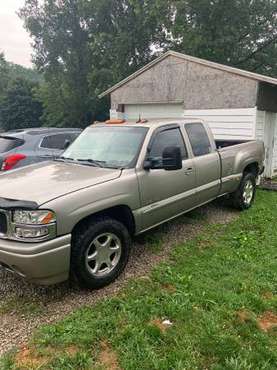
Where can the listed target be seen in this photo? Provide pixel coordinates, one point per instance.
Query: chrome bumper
(43, 263)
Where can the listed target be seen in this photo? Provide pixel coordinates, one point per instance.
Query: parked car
(27, 146)
(77, 214)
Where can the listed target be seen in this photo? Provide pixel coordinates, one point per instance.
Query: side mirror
(172, 158)
(67, 143)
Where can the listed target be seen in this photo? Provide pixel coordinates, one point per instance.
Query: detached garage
(236, 104)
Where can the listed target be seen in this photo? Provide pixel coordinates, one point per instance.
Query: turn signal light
(10, 161)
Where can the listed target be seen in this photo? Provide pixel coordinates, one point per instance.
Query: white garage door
(151, 111)
(230, 124)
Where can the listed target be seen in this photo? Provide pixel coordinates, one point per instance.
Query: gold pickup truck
(77, 214)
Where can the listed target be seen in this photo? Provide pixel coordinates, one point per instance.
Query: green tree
(85, 46)
(19, 107)
(241, 33)
(4, 78)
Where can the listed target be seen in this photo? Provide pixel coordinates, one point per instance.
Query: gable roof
(207, 63)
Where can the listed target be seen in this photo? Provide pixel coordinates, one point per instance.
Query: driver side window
(163, 139)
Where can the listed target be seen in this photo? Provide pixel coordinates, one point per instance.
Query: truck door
(165, 194)
(207, 162)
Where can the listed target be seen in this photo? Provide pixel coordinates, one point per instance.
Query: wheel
(100, 252)
(244, 196)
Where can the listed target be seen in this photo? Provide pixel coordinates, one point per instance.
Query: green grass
(226, 270)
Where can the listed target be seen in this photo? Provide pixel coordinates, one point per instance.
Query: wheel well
(120, 213)
(252, 168)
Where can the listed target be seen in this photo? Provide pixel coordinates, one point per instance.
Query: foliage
(17, 71)
(18, 103)
(241, 33)
(84, 46)
(4, 78)
(19, 107)
(213, 289)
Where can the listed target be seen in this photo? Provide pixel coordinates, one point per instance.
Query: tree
(85, 46)
(4, 78)
(20, 107)
(241, 33)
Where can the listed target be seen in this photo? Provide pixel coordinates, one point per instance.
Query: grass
(217, 290)
(21, 306)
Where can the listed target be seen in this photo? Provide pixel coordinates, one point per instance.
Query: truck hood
(45, 181)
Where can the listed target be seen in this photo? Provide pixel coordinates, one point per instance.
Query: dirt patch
(169, 288)
(244, 316)
(267, 321)
(108, 357)
(162, 325)
(268, 295)
(27, 358)
(72, 350)
(57, 301)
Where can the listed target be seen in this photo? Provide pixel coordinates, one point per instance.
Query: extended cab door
(165, 194)
(206, 160)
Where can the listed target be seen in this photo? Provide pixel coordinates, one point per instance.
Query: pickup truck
(76, 215)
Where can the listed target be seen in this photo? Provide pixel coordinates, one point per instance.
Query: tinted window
(199, 139)
(9, 143)
(56, 141)
(170, 137)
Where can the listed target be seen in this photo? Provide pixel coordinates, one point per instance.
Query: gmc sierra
(77, 214)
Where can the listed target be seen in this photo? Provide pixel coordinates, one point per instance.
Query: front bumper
(43, 263)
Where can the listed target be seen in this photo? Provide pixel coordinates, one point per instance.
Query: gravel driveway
(16, 325)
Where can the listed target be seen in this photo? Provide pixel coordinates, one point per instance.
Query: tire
(244, 196)
(100, 252)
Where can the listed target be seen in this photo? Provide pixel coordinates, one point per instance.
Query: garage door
(151, 111)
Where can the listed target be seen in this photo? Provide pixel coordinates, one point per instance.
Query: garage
(150, 111)
(236, 104)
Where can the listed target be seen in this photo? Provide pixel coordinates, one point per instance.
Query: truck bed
(225, 143)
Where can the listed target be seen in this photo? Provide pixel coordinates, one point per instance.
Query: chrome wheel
(248, 192)
(103, 254)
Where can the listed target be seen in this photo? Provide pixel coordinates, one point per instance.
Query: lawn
(212, 305)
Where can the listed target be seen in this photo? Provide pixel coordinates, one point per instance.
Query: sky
(14, 39)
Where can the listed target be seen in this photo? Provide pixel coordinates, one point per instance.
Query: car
(20, 148)
(75, 216)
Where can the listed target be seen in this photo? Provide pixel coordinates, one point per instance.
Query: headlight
(33, 225)
(33, 217)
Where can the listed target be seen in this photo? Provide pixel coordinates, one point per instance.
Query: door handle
(188, 171)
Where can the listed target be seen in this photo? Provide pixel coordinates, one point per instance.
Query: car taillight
(10, 161)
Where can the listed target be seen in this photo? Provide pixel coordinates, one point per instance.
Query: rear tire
(100, 252)
(244, 196)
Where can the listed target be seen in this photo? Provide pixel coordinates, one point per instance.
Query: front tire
(100, 252)
(244, 196)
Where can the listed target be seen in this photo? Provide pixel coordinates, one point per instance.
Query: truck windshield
(113, 147)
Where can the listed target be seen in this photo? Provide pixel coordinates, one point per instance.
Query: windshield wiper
(63, 159)
(93, 162)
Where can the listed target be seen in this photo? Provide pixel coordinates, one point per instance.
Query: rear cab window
(8, 143)
(199, 139)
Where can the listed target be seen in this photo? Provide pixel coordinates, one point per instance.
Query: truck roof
(149, 123)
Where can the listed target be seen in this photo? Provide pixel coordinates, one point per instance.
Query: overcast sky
(14, 40)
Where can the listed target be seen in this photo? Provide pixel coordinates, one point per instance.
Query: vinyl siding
(230, 124)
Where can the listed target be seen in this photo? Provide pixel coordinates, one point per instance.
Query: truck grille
(3, 223)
